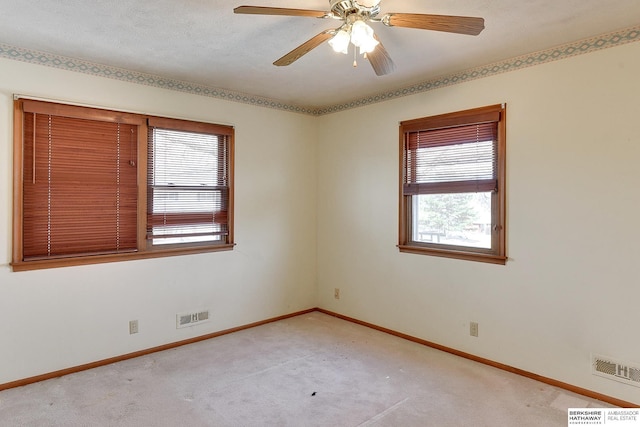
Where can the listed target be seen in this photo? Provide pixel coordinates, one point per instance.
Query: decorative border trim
(560, 52)
(86, 67)
(604, 41)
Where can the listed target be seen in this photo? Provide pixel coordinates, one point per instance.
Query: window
(188, 183)
(452, 192)
(95, 185)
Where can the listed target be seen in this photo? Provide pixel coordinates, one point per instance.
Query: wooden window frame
(224, 135)
(497, 253)
(144, 249)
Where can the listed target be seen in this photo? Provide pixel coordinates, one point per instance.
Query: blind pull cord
(33, 166)
(132, 162)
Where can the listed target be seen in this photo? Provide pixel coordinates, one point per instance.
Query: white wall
(570, 287)
(64, 317)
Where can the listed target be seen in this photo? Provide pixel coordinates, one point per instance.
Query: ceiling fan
(355, 14)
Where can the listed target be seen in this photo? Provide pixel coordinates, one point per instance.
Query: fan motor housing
(344, 8)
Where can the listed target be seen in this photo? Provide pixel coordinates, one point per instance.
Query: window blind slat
(478, 186)
(443, 160)
(457, 135)
(189, 126)
(73, 111)
(444, 121)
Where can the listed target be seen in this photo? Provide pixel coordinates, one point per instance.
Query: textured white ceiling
(204, 42)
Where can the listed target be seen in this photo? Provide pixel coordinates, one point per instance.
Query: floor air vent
(616, 370)
(189, 319)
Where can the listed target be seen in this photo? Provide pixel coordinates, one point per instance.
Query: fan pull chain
(355, 55)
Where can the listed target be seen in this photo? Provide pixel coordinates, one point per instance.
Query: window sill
(468, 256)
(101, 259)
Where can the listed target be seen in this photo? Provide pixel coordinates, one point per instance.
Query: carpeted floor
(310, 370)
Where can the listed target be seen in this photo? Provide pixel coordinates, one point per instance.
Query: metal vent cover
(191, 318)
(615, 370)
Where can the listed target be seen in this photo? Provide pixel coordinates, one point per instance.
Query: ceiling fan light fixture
(340, 42)
(362, 34)
(368, 3)
(369, 45)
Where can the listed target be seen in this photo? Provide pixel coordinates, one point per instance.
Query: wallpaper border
(604, 41)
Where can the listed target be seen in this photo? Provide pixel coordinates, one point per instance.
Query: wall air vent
(193, 318)
(615, 370)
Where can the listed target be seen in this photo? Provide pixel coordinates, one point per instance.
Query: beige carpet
(310, 370)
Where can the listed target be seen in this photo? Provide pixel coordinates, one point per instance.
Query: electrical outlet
(336, 293)
(473, 329)
(133, 327)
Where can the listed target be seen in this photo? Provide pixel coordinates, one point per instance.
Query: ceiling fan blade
(451, 24)
(380, 60)
(304, 48)
(260, 10)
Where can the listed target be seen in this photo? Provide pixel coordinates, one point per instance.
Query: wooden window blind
(188, 182)
(79, 184)
(451, 160)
